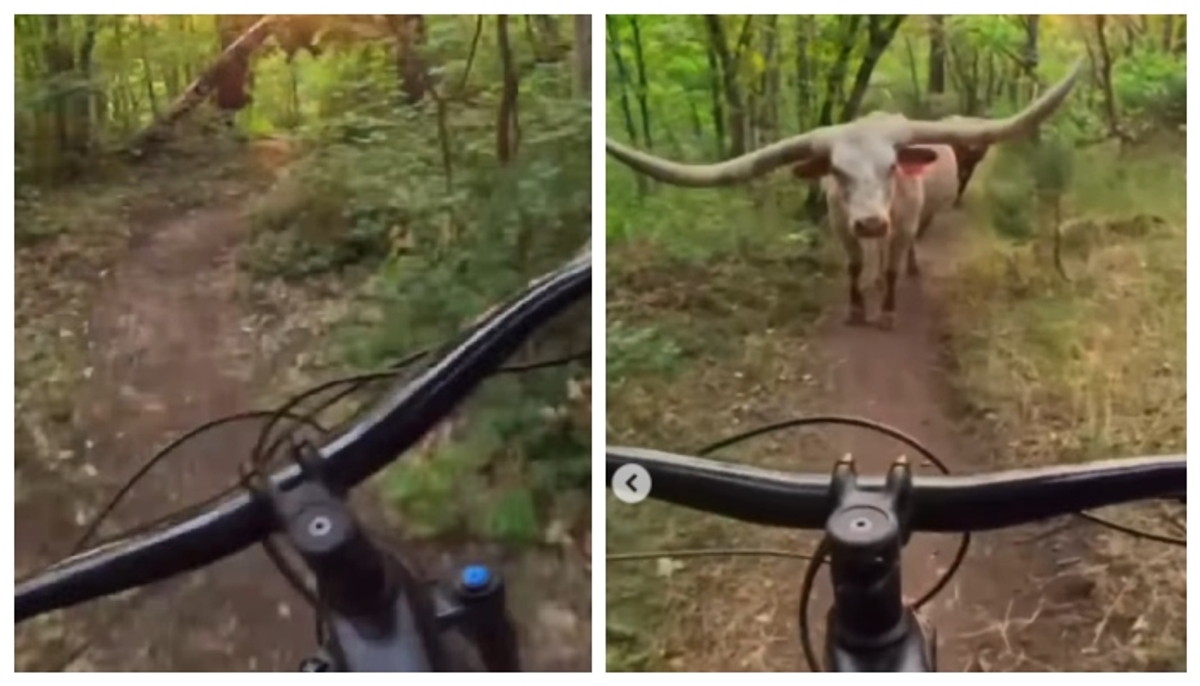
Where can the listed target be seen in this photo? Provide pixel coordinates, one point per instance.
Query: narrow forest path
(900, 378)
(168, 351)
(740, 613)
(172, 346)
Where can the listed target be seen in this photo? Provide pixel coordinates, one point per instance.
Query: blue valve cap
(476, 577)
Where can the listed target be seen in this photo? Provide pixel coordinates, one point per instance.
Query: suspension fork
(477, 606)
(474, 606)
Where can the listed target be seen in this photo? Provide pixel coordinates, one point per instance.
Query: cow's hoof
(887, 321)
(856, 318)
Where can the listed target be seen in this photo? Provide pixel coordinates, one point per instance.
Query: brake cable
(260, 452)
(821, 552)
(1130, 531)
(356, 383)
(286, 411)
(159, 456)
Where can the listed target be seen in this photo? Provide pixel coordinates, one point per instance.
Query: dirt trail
(898, 378)
(170, 348)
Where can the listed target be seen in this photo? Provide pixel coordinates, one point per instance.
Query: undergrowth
(1089, 363)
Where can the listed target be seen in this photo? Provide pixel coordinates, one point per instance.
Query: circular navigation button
(631, 483)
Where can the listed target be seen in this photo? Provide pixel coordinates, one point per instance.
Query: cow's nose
(871, 227)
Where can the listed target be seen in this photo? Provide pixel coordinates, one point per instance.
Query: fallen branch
(200, 89)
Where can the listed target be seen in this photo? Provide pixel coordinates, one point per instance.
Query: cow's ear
(811, 168)
(915, 160)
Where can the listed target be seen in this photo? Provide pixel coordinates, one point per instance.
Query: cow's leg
(858, 313)
(902, 242)
(964, 177)
(887, 317)
(858, 310)
(912, 268)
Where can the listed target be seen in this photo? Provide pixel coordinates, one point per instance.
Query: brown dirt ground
(170, 346)
(1023, 600)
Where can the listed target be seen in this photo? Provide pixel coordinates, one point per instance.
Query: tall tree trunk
(769, 117)
(804, 72)
(1030, 60)
(122, 100)
(59, 59)
(170, 70)
(412, 68)
(880, 32)
(732, 91)
(990, 85)
(911, 53)
(937, 53)
(623, 86)
(1110, 101)
(1032, 57)
(840, 66)
(1131, 36)
(82, 97)
(506, 146)
(583, 54)
(147, 69)
(963, 76)
(462, 84)
(643, 90)
(546, 40)
(714, 87)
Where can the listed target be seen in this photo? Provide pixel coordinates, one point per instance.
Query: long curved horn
(978, 131)
(729, 172)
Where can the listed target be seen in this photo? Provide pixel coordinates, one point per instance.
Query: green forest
(1048, 324)
(216, 212)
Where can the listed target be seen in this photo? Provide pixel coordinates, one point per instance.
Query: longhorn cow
(884, 177)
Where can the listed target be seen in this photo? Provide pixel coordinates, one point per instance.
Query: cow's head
(865, 169)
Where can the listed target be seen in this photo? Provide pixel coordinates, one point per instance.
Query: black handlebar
(235, 520)
(939, 503)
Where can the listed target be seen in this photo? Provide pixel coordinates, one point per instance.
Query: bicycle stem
(376, 615)
(868, 627)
